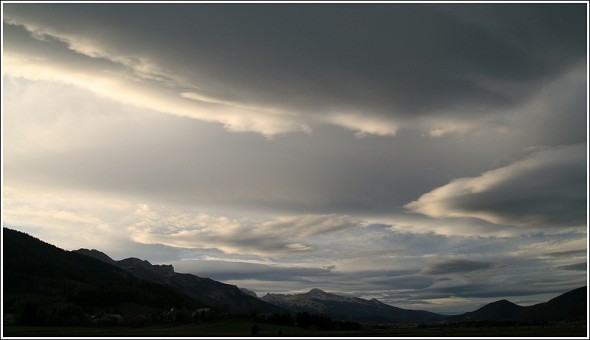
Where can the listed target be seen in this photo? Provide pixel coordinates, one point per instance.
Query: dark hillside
(26, 256)
(570, 306)
(44, 284)
(223, 297)
(502, 310)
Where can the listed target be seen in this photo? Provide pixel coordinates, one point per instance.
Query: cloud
(52, 217)
(457, 266)
(229, 270)
(281, 235)
(338, 253)
(309, 225)
(568, 253)
(484, 291)
(582, 266)
(132, 80)
(404, 282)
(277, 69)
(364, 125)
(545, 189)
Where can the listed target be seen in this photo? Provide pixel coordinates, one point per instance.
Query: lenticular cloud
(545, 189)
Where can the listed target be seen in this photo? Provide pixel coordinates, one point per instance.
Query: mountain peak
(500, 310)
(133, 263)
(95, 254)
(316, 292)
(500, 304)
(249, 292)
(376, 302)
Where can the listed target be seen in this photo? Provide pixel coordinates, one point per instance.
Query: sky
(432, 156)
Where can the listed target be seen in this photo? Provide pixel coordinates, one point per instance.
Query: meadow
(244, 329)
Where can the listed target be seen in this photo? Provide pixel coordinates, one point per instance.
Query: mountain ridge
(46, 285)
(221, 296)
(344, 308)
(36, 269)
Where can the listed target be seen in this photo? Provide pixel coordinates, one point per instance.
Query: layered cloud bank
(281, 235)
(294, 67)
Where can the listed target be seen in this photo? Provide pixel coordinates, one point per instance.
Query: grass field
(243, 329)
(237, 329)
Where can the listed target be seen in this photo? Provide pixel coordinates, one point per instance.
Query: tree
(255, 329)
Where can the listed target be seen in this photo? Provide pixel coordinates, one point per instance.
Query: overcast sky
(433, 156)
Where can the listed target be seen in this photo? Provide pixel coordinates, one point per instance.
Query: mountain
(345, 308)
(502, 310)
(97, 255)
(249, 292)
(44, 284)
(570, 306)
(41, 281)
(221, 296)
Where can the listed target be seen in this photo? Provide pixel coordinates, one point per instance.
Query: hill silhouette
(223, 297)
(44, 284)
(502, 310)
(570, 306)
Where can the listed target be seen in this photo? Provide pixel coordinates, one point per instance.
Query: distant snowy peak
(316, 301)
(320, 294)
(315, 293)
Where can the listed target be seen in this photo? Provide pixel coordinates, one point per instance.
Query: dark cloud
(457, 266)
(310, 59)
(582, 266)
(567, 253)
(227, 270)
(102, 146)
(557, 113)
(483, 291)
(543, 189)
(171, 49)
(404, 282)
